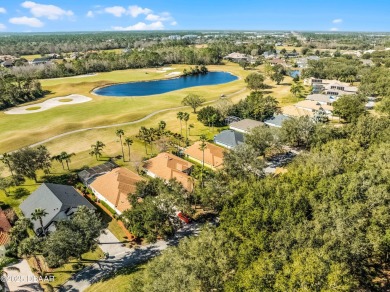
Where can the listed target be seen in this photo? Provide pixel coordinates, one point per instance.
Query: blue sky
(95, 15)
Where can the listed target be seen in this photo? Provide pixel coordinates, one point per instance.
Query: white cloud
(338, 20)
(158, 25)
(2, 26)
(51, 12)
(165, 16)
(90, 14)
(334, 29)
(2, 10)
(135, 10)
(24, 20)
(117, 11)
(173, 23)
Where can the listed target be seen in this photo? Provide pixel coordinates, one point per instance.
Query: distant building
(168, 166)
(213, 154)
(59, 201)
(114, 187)
(237, 57)
(245, 125)
(229, 139)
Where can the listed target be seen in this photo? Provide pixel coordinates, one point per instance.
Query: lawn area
(30, 57)
(120, 281)
(21, 130)
(63, 273)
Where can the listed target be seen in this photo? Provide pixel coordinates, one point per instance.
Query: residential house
(87, 176)
(245, 125)
(8, 64)
(114, 187)
(313, 106)
(229, 139)
(322, 98)
(213, 154)
(236, 57)
(5, 227)
(277, 61)
(58, 201)
(168, 166)
(276, 121)
(39, 61)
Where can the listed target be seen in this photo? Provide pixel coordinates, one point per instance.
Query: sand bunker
(173, 74)
(48, 104)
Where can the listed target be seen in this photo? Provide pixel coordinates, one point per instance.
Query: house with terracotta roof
(213, 154)
(114, 187)
(5, 227)
(168, 166)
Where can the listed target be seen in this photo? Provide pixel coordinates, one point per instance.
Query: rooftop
(116, 185)
(88, 174)
(245, 125)
(276, 121)
(168, 166)
(53, 198)
(229, 138)
(213, 154)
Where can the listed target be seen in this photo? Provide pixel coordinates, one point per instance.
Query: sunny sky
(95, 15)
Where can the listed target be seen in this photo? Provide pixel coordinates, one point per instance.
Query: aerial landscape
(194, 146)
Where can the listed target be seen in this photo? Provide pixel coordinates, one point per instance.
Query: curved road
(126, 123)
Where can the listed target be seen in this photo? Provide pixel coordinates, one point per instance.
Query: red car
(183, 218)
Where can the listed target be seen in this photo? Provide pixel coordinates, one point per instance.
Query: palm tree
(143, 134)
(66, 157)
(190, 126)
(97, 149)
(59, 159)
(120, 133)
(202, 147)
(180, 117)
(38, 214)
(297, 89)
(128, 142)
(6, 159)
(186, 117)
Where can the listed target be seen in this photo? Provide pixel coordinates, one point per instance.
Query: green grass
(33, 108)
(19, 130)
(63, 273)
(119, 280)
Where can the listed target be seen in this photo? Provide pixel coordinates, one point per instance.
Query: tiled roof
(213, 154)
(245, 125)
(116, 185)
(168, 166)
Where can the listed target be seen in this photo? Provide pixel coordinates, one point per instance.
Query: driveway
(20, 278)
(108, 243)
(122, 257)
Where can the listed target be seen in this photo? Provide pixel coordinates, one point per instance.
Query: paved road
(127, 123)
(125, 257)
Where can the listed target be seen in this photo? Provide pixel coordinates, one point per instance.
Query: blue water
(144, 88)
(294, 73)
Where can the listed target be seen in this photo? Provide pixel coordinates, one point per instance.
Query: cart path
(127, 123)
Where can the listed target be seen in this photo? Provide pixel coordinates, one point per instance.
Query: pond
(294, 73)
(144, 88)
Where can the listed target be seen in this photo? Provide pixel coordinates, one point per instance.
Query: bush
(108, 207)
(21, 192)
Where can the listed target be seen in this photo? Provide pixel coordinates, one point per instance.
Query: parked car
(183, 217)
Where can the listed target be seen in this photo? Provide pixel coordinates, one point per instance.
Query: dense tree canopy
(322, 226)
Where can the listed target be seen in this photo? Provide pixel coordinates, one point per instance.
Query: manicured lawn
(21, 130)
